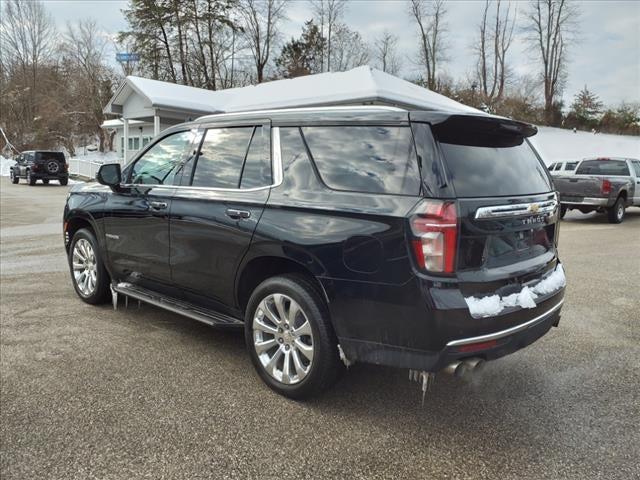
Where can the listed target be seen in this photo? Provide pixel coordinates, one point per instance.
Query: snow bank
(494, 304)
(5, 163)
(556, 144)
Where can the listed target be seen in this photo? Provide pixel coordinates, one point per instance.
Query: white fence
(83, 168)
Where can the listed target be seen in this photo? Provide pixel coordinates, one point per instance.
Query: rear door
(635, 165)
(216, 208)
(506, 205)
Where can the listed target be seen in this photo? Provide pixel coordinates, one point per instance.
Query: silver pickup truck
(601, 184)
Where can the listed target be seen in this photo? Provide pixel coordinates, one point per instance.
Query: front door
(137, 228)
(216, 210)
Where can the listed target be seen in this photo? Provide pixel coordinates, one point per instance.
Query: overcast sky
(607, 58)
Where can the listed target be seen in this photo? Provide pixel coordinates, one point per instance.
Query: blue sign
(128, 57)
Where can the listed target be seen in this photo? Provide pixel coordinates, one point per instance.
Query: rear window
(571, 166)
(603, 167)
(372, 159)
(494, 167)
(46, 156)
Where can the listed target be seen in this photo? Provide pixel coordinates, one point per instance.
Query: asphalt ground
(89, 392)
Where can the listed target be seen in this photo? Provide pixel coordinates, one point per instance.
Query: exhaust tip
(460, 368)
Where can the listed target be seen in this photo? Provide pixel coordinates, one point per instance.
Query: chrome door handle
(159, 205)
(237, 214)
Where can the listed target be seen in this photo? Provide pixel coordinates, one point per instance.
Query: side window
(257, 166)
(636, 167)
(571, 166)
(372, 159)
(158, 166)
(552, 167)
(222, 154)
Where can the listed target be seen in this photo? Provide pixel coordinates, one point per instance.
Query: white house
(146, 107)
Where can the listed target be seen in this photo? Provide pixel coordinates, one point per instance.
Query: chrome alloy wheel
(85, 268)
(283, 339)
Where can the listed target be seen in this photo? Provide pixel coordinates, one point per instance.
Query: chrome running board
(176, 306)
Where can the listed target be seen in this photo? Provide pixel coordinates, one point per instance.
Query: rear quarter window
(372, 159)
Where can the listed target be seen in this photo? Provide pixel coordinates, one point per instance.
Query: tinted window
(502, 167)
(159, 164)
(46, 156)
(221, 157)
(257, 165)
(603, 167)
(432, 175)
(636, 167)
(365, 159)
(571, 166)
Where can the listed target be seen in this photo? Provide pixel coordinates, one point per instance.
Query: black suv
(40, 165)
(421, 240)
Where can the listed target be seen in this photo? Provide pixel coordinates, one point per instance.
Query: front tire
(64, 181)
(14, 178)
(88, 274)
(616, 213)
(290, 338)
(45, 181)
(563, 211)
(30, 180)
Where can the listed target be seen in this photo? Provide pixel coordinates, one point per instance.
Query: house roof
(362, 85)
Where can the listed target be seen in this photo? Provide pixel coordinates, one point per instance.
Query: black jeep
(421, 240)
(42, 165)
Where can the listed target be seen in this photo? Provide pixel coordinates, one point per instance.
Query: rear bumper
(47, 176)
(423, 327)
(588, 201)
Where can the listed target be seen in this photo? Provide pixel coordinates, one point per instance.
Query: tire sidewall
(619, 210)
(314, 313)
(102, 277)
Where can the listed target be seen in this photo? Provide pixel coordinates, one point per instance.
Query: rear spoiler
(478, 123)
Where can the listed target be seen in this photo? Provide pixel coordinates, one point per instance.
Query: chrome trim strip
(507, 332)
(588, 201)
(519, 209)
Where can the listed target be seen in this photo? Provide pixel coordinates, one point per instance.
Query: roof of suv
(354, 114)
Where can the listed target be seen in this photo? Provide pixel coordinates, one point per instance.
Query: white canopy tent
(163, 104)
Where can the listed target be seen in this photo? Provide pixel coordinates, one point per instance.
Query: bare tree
(83, 48)
(260, 21)
(328, 13)
(494, 40)
(551, 27)
(429, 16)
(349, 49)
(386, 53)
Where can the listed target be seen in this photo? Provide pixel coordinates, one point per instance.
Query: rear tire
(63, 181)
(85, 261)
(45, 181)
(616, 213)
(14, 179)
(30, 180)
(302, 327)
(563, 211)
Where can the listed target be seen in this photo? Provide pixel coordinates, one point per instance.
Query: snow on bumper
(494, 304)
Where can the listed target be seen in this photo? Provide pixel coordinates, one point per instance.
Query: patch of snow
(494, 304)
(5, 164)
(558, 144)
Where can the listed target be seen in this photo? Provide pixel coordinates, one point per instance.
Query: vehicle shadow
(594, 218)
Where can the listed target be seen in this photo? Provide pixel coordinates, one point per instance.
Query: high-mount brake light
(434, 225)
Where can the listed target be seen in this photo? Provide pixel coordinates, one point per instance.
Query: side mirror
(110, 175)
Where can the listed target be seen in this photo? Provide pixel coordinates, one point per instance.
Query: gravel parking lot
(91, 392)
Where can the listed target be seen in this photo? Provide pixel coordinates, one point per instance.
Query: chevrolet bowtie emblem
(534, 207)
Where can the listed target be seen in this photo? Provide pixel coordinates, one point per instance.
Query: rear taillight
(35, 167)
(434, 225)
(606, 187)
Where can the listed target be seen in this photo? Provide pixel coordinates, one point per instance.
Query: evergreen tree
(586, 107)
(302, 56)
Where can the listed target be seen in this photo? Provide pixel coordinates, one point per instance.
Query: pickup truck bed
(604, 185)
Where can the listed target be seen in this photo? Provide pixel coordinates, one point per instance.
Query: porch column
(125, 143)
(156, 125)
